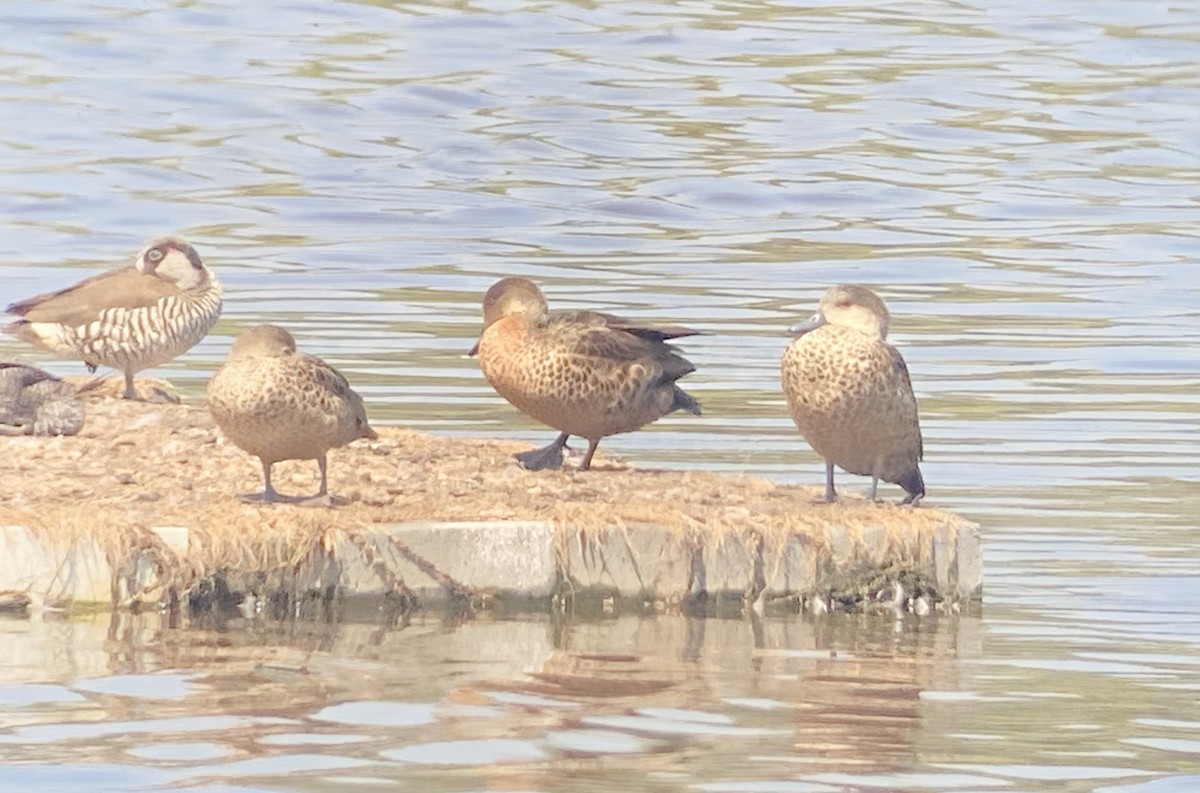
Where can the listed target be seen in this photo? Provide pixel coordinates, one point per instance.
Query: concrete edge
(426, 561)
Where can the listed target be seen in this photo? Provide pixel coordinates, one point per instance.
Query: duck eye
(155, 255)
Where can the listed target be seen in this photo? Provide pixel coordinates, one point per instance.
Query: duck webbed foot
(546, 458)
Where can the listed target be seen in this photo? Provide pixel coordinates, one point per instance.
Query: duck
(583, 373)
(35, 402)
(131, 318)
(850, 394)
(277, 403)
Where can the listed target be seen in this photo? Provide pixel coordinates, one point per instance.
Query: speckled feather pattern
(850, 396)
(575, 373)
(292, 407)
(34, 402)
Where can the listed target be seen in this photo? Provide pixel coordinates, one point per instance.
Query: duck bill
(800, 328)
(474, 350)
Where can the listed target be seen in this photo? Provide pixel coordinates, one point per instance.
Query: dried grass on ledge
(140, 465)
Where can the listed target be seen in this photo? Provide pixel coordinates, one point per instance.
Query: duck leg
(322, 498)
(547, 457)
(830, 493)
(268, 495)
(587, 458)
(874, 487)
(130, 391)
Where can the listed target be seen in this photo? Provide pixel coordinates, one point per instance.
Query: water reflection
(841, 701)
(281, 701)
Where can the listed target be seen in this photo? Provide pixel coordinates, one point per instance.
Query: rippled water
(1022, 183)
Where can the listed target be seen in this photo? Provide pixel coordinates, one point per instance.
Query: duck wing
(904, 384)
(616, 345)
(651, 333)
(334, 382)
(22, 376)
(82, 303)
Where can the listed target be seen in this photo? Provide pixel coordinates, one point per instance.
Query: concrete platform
(140, 509)
(532, 561)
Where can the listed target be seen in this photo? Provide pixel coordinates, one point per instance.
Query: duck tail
(21, 329)
(913, 484)
(682, 400)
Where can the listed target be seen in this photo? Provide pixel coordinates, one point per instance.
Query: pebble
(147, 420)
(173, 448)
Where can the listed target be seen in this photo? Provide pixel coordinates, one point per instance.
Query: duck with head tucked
(849, 393)
(583, 373)
(35, 402)
(280, 404)
(131, 318)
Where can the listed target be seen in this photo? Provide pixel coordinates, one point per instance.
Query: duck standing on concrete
(35, 402)
(583, 373)
(850, 395)
(280, 404)
(131, 318)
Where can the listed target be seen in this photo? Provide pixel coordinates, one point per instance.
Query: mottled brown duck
(35, 402)
(131, 318)
(583, 373)
(849, 393)
(279, 404)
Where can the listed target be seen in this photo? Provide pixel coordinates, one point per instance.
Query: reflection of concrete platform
(140, 507)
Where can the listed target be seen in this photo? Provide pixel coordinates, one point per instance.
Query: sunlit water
(1022, 183)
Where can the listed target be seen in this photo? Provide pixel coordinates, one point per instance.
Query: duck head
(173, 259)
(849, 306)
(508, 297)
(263, 341)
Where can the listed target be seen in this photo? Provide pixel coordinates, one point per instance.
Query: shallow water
(1019, 181)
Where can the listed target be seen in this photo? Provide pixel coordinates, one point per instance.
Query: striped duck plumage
(849, 393)
(279, 404)
(132, 318)
(584, 373)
